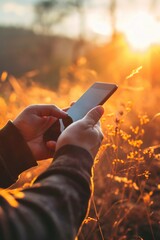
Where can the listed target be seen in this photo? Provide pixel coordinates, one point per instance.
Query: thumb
(94, 115)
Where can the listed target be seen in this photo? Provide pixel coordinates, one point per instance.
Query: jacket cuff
(16, 156)
(74, 157)
(73, 151)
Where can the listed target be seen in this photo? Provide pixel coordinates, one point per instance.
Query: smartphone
(97, 94)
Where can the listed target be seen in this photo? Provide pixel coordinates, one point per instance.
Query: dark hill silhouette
(22, 50)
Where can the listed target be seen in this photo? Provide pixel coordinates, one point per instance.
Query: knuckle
(53, 106)
(101, 135)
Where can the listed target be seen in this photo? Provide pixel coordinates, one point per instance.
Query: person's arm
(55, 206)
(21, 141)
(57, 203)
(15, 155)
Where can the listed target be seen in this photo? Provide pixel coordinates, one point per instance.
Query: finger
(72, 103)
(49, 110)
(47, 122)
(51, 145)
(94, 115)
(67, 108)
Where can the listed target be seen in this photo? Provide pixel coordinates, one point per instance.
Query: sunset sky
(131, 16)
(13, 11)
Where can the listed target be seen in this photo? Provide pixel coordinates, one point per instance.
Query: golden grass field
(126, 199)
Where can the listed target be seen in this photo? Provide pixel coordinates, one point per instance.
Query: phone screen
(90, 99)
(97, 94)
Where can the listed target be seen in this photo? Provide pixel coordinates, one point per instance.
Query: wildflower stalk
(97, 217)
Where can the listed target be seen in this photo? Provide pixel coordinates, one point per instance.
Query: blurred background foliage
(39, 47)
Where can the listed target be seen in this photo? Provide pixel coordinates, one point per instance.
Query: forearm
(15, 155)
(57, 203)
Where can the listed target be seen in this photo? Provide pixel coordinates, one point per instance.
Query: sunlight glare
(142, 31)
(99, 26)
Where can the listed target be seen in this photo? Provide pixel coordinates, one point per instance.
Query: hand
(33, 122)
(85, 133)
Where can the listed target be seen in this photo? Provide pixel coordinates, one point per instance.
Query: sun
(142, 30)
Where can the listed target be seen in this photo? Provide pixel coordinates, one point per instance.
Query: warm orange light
(4, 76)
(142, 30)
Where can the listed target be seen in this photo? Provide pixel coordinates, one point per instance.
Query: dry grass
(125, 204)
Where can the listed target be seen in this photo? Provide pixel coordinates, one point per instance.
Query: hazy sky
(20, 12)
(16, 12)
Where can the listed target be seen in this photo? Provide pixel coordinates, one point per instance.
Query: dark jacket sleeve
(55, 206)
(15, 155)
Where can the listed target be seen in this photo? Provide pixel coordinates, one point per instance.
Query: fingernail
(100, 109)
